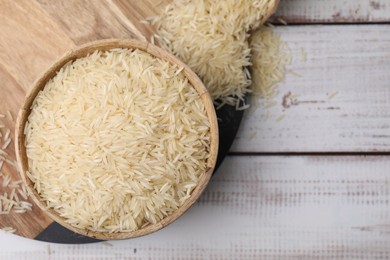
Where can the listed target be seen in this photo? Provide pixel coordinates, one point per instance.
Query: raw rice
(7, 133)
(211, 37)
(117, 141)
(7, 142)
(10, 115)
(6, 181)
(303, 55)
(280, 118)
(282, 21)
(8, 229)
(270, 55)
(332, 95)
(294, 73)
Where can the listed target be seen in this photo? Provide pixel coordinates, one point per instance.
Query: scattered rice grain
(332, 95)
(10, 115)
(7, 134)
(303, 55)
(145, 22)
(282, 21)
(292, 72)
(9, 229)
(252, 135)
(280, 118)
(7, 142)
(6, 181)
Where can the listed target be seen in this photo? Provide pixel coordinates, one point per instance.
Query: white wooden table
(308, 181)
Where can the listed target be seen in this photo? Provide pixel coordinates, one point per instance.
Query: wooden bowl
(82, 51)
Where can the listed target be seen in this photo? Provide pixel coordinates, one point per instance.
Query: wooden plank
(292, 11)
(342, 91)
(87, 20)
(30, 41)
(333, 11)
(266, 208)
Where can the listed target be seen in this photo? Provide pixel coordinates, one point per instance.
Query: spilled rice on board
(14, 195)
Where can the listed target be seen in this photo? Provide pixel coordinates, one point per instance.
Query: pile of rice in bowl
(117, 141)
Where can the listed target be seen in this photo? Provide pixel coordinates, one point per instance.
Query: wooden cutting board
(33, 34)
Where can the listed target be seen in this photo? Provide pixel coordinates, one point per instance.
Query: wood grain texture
(333, 11)
(30, 41)
(86, 20)
(267, 208)
(341, 89)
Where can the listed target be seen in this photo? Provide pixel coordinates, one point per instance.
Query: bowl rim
(82, 51)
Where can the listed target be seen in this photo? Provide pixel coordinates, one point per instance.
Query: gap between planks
(333, 11)
(309, 154)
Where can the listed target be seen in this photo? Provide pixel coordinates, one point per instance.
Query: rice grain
(118, 120)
